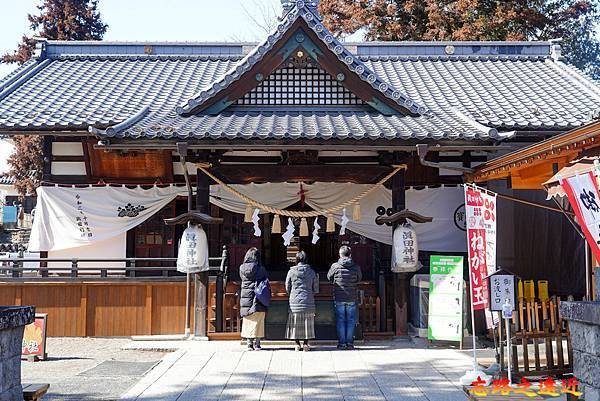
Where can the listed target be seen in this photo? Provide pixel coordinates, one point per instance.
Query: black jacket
(345, 275)
(302, 283)
(250, 273)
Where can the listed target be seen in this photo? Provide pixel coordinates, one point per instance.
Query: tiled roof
(6, 179)
(473, 90)
(306, 125)
(307, 11)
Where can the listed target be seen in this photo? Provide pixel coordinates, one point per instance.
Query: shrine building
(340, 135)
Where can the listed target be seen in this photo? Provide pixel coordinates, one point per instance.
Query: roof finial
(288, 5)
(555, 50)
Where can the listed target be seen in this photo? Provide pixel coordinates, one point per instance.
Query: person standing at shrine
(252, 311)
(345, 276)
(301, 284)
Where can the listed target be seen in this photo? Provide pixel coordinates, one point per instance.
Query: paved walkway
(83, 369)
(211, 371)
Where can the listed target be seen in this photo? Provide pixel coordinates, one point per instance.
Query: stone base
(590, 393)
(14, 394)
(584, 325)
(12, 325)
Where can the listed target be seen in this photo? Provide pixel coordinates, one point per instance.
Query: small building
(300, 122)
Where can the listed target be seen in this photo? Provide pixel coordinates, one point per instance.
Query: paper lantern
(193, 251)
(405, 250)
(276, 227)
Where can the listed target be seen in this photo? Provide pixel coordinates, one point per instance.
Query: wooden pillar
(201, 281)
(400, 295)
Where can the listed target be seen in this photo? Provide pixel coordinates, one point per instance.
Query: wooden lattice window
(300, 85)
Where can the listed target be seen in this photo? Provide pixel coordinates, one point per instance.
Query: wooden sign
(34, 338)
(502, 288)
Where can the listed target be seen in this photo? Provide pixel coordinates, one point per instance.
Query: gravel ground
(89, 368)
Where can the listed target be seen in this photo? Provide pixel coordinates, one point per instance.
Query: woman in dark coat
(251, 310)
(301, 284)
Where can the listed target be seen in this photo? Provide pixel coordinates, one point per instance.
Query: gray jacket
(301, 284)
(345, 275)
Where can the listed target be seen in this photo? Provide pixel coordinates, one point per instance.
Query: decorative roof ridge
(147, 57)
(23, 75)
(300, 10)
(146, 42)
(492, 132)
(487, 57)
(123, 125)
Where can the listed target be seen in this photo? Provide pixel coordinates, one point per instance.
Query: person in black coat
(251, 310)
(345, 276)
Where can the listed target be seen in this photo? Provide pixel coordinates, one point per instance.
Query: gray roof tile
(485, 87)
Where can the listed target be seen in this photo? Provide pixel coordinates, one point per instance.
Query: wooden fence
(369, 310)
(537, 327)
(103, 308)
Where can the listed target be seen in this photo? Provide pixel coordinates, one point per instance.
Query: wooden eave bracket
(401, 218)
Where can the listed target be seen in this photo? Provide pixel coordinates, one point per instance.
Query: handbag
(262, 292)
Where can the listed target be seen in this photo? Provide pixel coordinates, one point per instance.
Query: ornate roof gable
(301, 29)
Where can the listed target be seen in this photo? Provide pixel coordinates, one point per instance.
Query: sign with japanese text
(489, 222)
(584, 198)
(502, 288)
(405, 252)
(34, 337)
(193, 251)
(477, 246)
(445, 298)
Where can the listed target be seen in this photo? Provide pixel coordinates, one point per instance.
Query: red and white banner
(480, 211)
(584, 198)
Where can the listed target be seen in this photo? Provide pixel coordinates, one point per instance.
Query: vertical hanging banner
(584, 198)
(489, 222)
(476, 244)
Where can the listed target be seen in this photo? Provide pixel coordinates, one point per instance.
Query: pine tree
(572, 20)
(58, 20)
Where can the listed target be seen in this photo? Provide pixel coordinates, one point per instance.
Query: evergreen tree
(572, 20)
(57, 20)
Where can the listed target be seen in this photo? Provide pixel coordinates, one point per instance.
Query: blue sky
(147, 20)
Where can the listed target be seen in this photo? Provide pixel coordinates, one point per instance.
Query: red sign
(34, 337)
(476, 242)
(584, 198)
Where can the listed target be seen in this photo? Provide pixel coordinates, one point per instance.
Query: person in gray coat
(301, 284)
(345, 276)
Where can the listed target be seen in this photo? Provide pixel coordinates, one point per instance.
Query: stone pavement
(89, 368)
(387, 371)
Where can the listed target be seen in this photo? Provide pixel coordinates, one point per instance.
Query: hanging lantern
(405, 250)
(193, 251)
(276, 227)
(303, 227)
(330, 224)
(356, 212)
(248, 214)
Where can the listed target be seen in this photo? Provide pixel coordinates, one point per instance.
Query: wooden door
(154, 239)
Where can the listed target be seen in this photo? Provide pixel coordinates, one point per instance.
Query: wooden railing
(538, 324)
(41, 268)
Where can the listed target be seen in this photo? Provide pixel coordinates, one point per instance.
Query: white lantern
(193, 251)
(405, 249)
